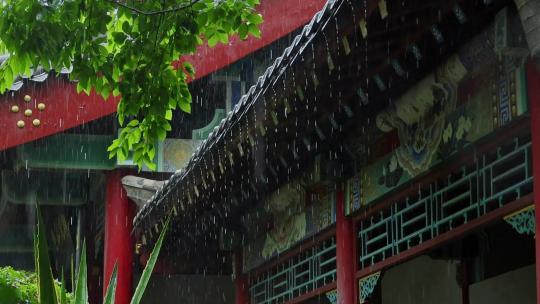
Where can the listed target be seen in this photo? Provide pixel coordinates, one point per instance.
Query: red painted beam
(64, 109)
(345, 242)
(280, 18)
(119, 213)
(533, 86)
(67, 109)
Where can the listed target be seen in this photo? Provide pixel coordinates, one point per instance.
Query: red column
(344, 252)
(533, 88)
(241, 282)
(119, 214)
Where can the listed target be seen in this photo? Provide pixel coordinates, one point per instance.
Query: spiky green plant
(47, 293)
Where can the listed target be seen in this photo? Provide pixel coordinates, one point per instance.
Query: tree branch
(151, 13)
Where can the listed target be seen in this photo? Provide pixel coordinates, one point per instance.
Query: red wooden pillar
(344, 252)
(119, 214)
(533, 88)
(241, 282)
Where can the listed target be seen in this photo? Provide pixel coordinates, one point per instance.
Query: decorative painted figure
(289, 216)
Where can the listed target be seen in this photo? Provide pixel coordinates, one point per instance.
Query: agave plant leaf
(63, 296)
(81, 288)
(46, 290)
(149, 268)
(72, 271)
(111, 288)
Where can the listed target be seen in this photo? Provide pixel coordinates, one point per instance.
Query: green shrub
(18, 286)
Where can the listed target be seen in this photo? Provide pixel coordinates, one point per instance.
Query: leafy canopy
(122, 48)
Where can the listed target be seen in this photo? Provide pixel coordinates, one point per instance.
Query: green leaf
(151, 152)
(115, 144)
(119, 37)
(126, 27)
(255, 18)
(79, 87)
(147, 272)
(213, 40)
(46, 290)
(105, 92)
(63, 296)
(162, 134)
(27, 69)
(254, 30)
(122, 153)
(185, 106)
(137, 155)
(133, 123)
(223, 38)
(82, 84)
(243, 31)
(167, 126)
(81, 288)
(111, 288)
(150, 164)
(8, 75)
(189, 68)
(72, 270)
(113, 154)
(115, 73)
(136, 135)
(121, 118)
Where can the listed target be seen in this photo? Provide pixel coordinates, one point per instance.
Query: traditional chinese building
(53, 152)
(388, 155)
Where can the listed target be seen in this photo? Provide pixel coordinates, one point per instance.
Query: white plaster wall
(188, 289)
(517, 286)
(422, 281)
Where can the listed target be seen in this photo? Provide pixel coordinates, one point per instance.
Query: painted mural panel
(466, 98)
(289, 215)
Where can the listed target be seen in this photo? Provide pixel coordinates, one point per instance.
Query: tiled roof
(36, 75)
(247, 102)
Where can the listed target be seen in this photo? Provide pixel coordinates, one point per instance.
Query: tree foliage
(122, 48)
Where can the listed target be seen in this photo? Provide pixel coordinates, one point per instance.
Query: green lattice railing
(495, 179)
(304, 272)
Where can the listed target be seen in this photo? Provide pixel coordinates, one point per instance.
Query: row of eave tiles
(317, 24)
(36, 75)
